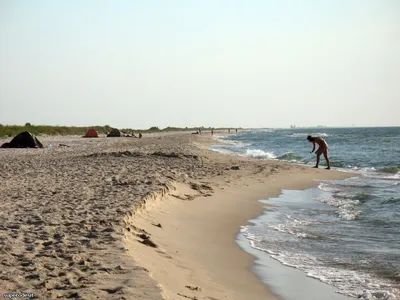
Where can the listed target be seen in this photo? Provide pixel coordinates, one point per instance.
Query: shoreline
(70, 211)
(290, 282)
(197, 244)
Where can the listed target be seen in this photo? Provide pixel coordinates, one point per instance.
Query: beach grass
(12, 130)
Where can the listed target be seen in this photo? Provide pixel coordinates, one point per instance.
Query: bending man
(322, 149)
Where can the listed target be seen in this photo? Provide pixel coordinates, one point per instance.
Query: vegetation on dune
(13, 130)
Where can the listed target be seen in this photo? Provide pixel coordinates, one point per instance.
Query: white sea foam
(219, 136)
(349, 282)
(237, 143)
(224, 151)
(257, 153)
(263, 130)
(295, 227)
(301, 134)
(254, 153)
(346, 208)
(355, 283)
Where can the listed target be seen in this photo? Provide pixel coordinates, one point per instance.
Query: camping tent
(114, 133)
(23, 140)
(91, 133)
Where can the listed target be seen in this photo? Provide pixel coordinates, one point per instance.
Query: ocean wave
(257, 153)
(353, 283)
(364, 169)
(330, 188)
(290, 156)
(263, 130)
(384, 177)
(369, 172)
(343, 186)
(391, 170)
(236, 143)
(391, 200)
(346, 204)
(361, 197)
(295, 227)
(301, 134)
(241, 150)
(220, 137)
(254, 245)
(224, 151)
(297, 233)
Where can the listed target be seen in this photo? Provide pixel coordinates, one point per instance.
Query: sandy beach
(125, 218)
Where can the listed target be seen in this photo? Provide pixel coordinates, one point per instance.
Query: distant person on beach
(322, 149)
(140, 135)
(212, 131)
(236, 130)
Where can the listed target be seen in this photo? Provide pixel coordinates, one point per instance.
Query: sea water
(344, 233)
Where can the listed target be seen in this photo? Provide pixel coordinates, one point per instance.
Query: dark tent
(114, 133)
(23, 140)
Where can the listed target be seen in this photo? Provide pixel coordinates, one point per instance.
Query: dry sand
(79, 221)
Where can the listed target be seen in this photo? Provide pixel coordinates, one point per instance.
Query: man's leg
(318, 156)
(327, 159)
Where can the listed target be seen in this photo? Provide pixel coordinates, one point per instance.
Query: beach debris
(108, 229)
(157, 225)
(193, 288)
(146, 240)
(119, 268)
(140, 269)
(184, 197)
(206, 187)
(188, 297)
(113, 290)
(74, 295)
(149, 242)
(195, 186)
(235, 168)
(191, 156)
(163, 154)
(174, 155)
(189, 197)
(139, 229)
(116, 154)
(143, 236)
(63, 145)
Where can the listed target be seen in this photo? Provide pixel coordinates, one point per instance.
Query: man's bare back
(321, 142)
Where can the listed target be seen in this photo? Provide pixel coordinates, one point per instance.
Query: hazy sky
(208, 62)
